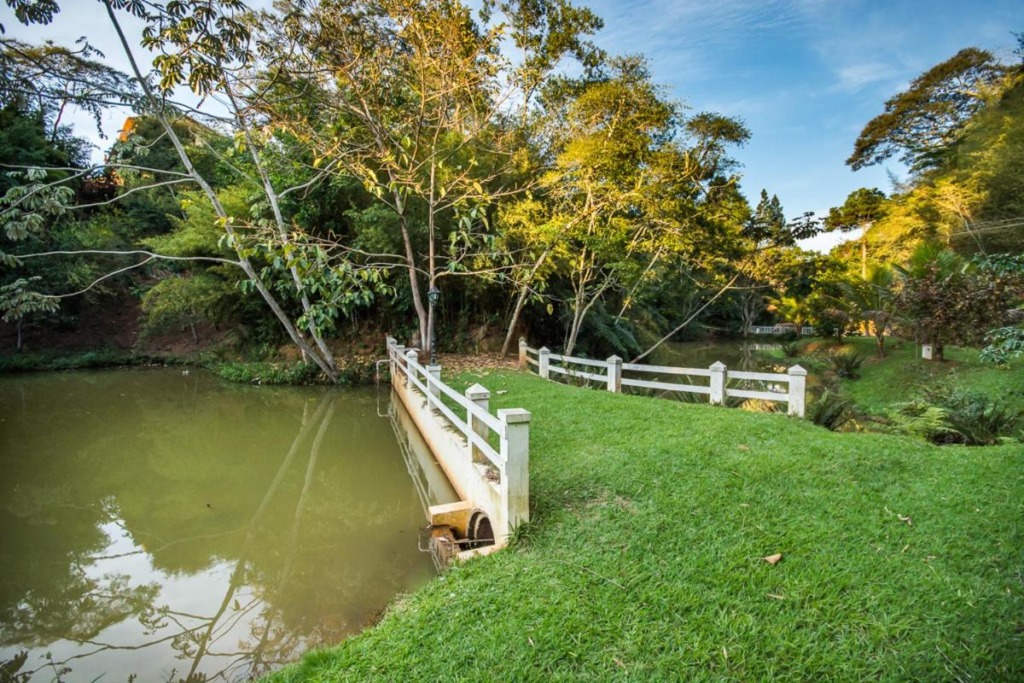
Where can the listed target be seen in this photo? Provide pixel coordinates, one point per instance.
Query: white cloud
(854, 77)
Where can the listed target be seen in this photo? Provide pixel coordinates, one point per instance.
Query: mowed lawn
(643, 560)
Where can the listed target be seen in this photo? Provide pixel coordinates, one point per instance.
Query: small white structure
(926, 351)
(492, 481)
(793, 384)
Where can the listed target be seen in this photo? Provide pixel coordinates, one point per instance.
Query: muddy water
(175, 527)
(736, 354)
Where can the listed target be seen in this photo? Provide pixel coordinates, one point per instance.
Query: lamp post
(433, 296)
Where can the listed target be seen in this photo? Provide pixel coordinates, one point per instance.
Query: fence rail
(494, 478)
(789, 388)
(805, 330)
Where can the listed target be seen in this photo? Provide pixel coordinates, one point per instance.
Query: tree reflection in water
(255, 626)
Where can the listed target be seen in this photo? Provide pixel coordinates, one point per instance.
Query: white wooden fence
(789, 388)
(780, 329)
(494, 478)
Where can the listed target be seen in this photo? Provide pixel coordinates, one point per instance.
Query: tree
(924, 122)
(413, 99)
(945, 299)
(206, 45)
(860, 210)
(872, 299)
(794, 310)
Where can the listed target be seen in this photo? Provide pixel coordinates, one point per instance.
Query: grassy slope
(643, 560)
(900, 376)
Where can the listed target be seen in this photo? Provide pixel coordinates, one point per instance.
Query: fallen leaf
(619, 662)
(773, 559)
(908, 520)
(530, 641)
(776, 597)
(501, 392)
(743, 447)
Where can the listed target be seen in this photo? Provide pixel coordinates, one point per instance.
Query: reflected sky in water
(177, 527)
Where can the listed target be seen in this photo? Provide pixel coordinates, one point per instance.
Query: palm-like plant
(931, 294)
(872, 299)
(792, 310)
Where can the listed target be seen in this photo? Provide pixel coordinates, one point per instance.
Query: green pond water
(174, 527)
(736, 354)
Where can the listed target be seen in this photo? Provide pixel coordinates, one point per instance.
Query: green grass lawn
(901, 376)
(643, 560)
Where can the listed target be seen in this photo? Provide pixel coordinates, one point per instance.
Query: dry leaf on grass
(773, 559)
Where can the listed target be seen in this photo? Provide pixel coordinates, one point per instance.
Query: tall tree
(923, 123)
(860, 210)
(206, 45)
(943, 298)
(412, 98)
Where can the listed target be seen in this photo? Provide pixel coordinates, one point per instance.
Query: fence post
(516, 477)
(522, 354)
(544, 361)
(411, 357)
(614, 374)
(481, 398)
(395, 357)
(797, 390)
(435, 379)
(718, 370)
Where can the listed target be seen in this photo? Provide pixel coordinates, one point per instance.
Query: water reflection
(177, 529)
(737, 355)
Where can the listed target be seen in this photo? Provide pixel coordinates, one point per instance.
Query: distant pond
(737, 354)
(174, 527)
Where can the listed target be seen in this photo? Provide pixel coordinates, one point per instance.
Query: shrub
(830, 410)
(980, 421)
(847, 364)
(920, 419)
(960, 417)
(790, 349)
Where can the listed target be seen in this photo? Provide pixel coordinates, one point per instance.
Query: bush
(960, 417)
(980, 421)
(847, 364)
(790, 349)
(920, 419)
(830, 410)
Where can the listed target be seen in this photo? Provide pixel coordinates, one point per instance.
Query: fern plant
(830, 410)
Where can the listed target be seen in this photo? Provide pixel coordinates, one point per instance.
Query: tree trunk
(207, 189)
(521, 301)
(686, 322)
(414, 285)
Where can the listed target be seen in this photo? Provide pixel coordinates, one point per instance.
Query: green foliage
(959, 417)
(920, 419)
(923, 122)
(791, 349)
(1004, 345)
(268, 373)
(846, 364)
(979, 420)
(945, 299)
(186, 300)
(18, 301)
(831, 410)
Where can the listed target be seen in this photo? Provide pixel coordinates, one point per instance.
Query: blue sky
(804, 75)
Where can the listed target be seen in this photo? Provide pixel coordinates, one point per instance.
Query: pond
(737, 354)
(167, 525)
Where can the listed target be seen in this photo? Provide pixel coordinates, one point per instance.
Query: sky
(805, 76)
